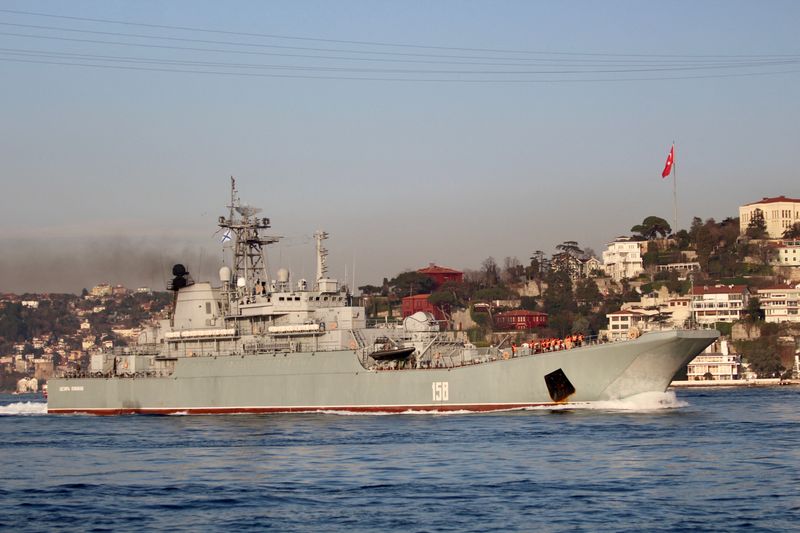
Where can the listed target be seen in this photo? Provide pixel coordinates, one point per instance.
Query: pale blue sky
(104, 170)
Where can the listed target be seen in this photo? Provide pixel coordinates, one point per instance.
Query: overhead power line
(379, 43)
(94, 48)
(129, 59)
(406, 79)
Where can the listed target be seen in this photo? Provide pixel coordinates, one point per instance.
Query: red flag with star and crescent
(668, 165)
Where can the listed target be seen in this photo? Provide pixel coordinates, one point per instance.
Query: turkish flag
(668, 165)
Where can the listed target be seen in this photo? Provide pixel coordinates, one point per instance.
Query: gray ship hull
(336, 380)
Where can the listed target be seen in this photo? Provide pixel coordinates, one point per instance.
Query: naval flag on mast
(670, 159)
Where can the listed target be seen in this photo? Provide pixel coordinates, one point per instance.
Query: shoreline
(763, 382)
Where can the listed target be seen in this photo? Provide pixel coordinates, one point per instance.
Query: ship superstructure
(257, 343)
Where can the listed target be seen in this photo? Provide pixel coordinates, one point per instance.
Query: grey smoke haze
(69, 267)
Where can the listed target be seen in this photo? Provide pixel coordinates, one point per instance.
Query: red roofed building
(520, 319)
(719, 303)
(419, 302)
(780, 213)
(621, 324)
(440, 275)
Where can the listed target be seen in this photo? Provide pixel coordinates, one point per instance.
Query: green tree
(650, 257)
(762, 355)
(492, 293)
(368, 290)
(753, 311)
(528, 303)
(792, 232)
(411, 283)
(571, 247)
(537, 266)
(587, 294)
(683, 239)
(705, 242)
(757, 227)
(652, 227)
(558, 295)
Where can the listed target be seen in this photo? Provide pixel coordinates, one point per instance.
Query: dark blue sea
(703, 459)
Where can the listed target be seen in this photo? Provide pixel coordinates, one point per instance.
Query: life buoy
(505, 355)
(125, 364)
(633, 333)
(352, 345)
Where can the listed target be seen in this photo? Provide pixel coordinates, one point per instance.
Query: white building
(719, 303)
(780, 213)
(623, 259)
(683, 269)
(780, 303)
(715, 363)
(589, 265)
(628, 323)
(101, 290)
(679, 310)
(788, 254)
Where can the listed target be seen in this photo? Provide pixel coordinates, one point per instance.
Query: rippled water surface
(722, 459)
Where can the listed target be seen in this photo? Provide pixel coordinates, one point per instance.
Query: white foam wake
(646, 401)
(392, 413)
(23, 408)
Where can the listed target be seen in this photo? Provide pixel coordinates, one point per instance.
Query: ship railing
(384, 323)
(272, 345)
(137, 349)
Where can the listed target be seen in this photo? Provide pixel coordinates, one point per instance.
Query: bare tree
(490, 272)
(512, 269)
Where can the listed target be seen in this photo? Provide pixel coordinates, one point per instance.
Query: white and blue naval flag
(226, 236)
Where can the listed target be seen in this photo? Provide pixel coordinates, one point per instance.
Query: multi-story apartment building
(780, 303)
(623, 259)
(719, 303)
(715, 363)
(780, 213)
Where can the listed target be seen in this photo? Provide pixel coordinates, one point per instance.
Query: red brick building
(440, 275)
(520, 319)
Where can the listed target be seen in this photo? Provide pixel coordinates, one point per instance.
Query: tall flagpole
(674, 189)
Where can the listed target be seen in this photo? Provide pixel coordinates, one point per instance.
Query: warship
(260, 344)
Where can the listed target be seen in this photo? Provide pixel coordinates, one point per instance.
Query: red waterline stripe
(262, 410)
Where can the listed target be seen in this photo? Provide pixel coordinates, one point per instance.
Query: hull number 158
(440, 391)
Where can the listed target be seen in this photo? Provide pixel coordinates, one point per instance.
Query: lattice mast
(250, 273)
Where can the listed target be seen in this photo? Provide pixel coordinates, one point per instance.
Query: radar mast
(250, 273)
(323, 282)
